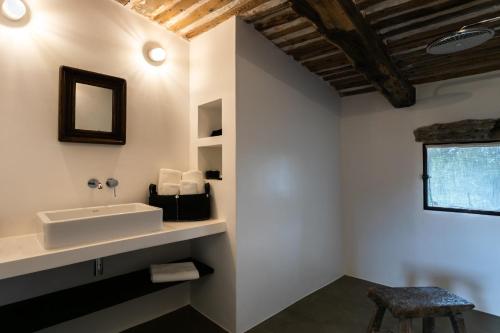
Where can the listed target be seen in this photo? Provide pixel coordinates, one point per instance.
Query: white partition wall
(212, 88)
(280, 188)
(288, 186)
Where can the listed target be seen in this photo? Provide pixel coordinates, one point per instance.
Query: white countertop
(24, 254)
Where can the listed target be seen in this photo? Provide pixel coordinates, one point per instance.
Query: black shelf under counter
(51, 309)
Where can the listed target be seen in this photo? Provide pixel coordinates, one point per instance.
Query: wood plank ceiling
(356, 46)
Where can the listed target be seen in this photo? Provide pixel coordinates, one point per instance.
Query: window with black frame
(462, 178)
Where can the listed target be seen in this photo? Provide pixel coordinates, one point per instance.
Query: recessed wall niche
(210, 158)
(210, 143)
(209, 118)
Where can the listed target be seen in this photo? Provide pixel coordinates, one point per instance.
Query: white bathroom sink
(75, 227)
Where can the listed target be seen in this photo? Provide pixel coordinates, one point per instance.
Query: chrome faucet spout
(112, 183)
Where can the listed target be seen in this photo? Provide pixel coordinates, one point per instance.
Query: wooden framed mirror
(92, 107)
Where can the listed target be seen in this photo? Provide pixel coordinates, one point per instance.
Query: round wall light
(157, 54)
(14, 9)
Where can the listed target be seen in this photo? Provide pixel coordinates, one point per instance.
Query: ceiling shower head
(461, 40)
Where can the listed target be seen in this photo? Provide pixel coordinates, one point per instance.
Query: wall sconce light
(14, 10)
(157, 55)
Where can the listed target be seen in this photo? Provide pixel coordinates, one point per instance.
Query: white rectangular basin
(76, 227)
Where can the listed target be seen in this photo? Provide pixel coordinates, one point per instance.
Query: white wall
(40, 173)
(389, 238)
(212, 78)
(288, 199)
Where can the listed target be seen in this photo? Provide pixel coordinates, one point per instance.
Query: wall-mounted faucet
(112, 183)
(95, 183)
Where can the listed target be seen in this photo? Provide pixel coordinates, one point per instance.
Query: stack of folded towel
(192, 182)
(181, 271)
(169, 182)
(173, 182)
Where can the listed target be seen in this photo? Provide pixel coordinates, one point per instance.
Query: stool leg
(405, 326)
(429, 325)
(376, 321)
(458, 323)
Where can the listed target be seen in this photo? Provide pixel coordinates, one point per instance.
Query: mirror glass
(93, 108)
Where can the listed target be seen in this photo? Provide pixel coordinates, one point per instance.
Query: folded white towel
(168, 189)
(169, 176)
(192, 175)
(195, 176)
(188, 187)
(174, 272)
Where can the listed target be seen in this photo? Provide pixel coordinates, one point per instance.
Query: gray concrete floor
(184, 320)
(341, 307)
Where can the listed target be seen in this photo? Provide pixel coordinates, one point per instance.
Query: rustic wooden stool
(427, 303)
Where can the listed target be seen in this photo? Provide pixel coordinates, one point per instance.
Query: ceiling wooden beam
(422, 58)
(353, 92)
(239, 8)
(276, 20)
(177, 9)
(440, 18)
(287, 31)
(312, 46)
(416, 14)
(267, 12)
(305, 38)
(456, 66)
(148, 8)
(457, 74)
(427, 36)
(368, 3)
(326, 63)
(342, 24)
(399, 7)
(200, 12)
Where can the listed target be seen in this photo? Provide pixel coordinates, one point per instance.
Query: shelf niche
(209, 118)
(210, 158)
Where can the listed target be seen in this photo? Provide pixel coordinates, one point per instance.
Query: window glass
(463, 177)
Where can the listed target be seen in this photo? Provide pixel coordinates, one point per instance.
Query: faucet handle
(94, 183)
